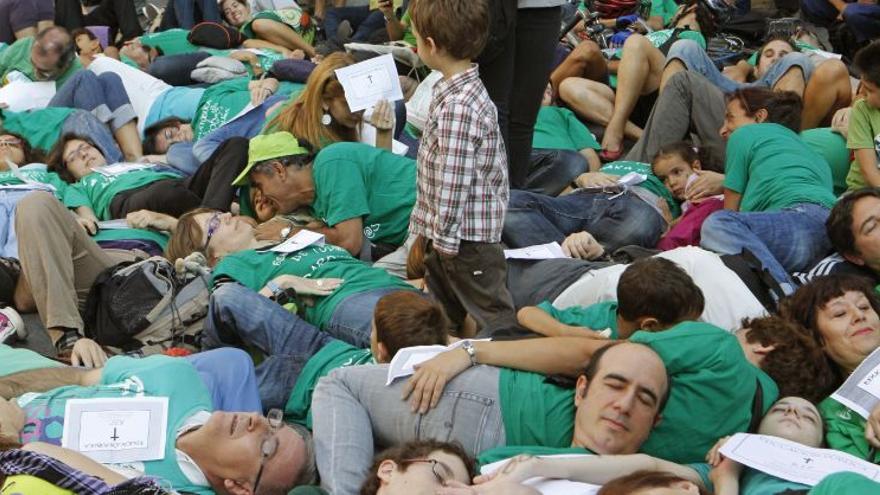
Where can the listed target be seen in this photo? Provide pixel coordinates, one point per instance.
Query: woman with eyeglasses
(103, 191)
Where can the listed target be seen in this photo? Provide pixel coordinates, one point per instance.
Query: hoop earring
(326, 119)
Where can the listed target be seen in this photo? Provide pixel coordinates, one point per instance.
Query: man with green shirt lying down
(486, 407)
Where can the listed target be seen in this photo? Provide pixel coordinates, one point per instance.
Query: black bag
(215, 35)
(145, 306)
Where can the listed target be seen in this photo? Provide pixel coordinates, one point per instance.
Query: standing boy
(864, 122)
(462, 169)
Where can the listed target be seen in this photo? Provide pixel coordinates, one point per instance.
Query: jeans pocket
(468, 418)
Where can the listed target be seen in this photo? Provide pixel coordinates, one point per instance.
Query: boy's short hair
(459, 27)
(839, 225)
(417, 449)
(659, 288)
(867, 62)
(405, 318)
(797, 364)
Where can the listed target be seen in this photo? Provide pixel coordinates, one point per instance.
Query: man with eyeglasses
(48, 56)
(230, 452)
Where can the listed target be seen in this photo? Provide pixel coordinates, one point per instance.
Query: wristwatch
(468, 347)
(275, 288)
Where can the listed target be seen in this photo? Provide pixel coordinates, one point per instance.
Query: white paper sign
(551, 250)
(21, 96)
(861, 391)
(793, 461)
(367, 82)
(117, 430)
(405, 361)
(299, 241)
(117, 224)
(548, 486)
(118, 169)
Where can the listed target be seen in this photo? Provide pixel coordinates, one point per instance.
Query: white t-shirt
(728, 300)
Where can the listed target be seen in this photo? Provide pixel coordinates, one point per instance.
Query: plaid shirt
(462, 167)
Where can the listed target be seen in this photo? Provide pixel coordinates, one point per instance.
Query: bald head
(52, 53)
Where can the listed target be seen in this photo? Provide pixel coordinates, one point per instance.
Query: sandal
(610, 156)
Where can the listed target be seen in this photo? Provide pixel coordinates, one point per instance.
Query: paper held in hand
(405, 361)
(793, 461)
(549, 486)
(299, 241)
(551, 250)
(20, 96)
(117, 430)
(861, 391)
(367, 82)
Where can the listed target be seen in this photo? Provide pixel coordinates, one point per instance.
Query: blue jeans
(103, 95)
(187, 13)
(229, 375)
(695, 58)
(176, 69)
(785, 241)
(8, 240)
(83, 123)
(352, 319)
(551, 171)
(614, 221)
(240, 316)
(354, 413)
(862, 19)
(363, 21)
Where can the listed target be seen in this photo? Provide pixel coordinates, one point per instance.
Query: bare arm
(76, 461)
(732, 200)
(41, 380)
(348, 235)
(539, 321)
(867, 160)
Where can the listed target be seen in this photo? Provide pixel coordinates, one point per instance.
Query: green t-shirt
(154, 376)
(663, 8)
(845, 430)
(712, 390)
(658, 38)
(864, 133)
(17, 360)
(408, 35)
(358, 180)
(293, 17)
(597, 316)
(558, 128)
(751, 481)
(845, 483)
(254, 269)
(97, 190)
(653, 183)
(832, 147)
(42, 128)
(774, 169)
(36, 173)
(508, 451)
(224, 100)
(534, 411)
(336, 354)
(18, 58)
(171, 41)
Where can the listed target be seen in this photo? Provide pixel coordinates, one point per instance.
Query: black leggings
(211, 186)
(516, 72)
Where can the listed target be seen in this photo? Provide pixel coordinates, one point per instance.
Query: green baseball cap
(267, 146)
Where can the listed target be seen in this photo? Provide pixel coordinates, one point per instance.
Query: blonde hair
(302, 117)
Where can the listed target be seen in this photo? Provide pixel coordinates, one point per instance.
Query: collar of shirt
(189, 468)
(446, 87)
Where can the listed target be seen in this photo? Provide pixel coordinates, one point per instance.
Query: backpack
(145, 306)
(215, 35)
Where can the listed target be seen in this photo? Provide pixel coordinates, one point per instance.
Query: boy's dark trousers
(472, 282)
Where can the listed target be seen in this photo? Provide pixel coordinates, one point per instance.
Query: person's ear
(854, 259)
(697, 165)
(386, 471)
(237, 488)
(761, 115)
(657, 419)
(580, 390)
(382, 353)
(763, 350)
(280, 170)
(432, 47)
(649, 324)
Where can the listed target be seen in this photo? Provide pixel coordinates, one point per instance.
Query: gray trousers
(354, 414)
(690, 107)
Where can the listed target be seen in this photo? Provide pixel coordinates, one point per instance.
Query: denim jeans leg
(239, 315)
(84, 123)
(538, 219)
(695, 58)
(352, 319)
(819, 12)
(785, 241)
(355, 413)
(625, 220)
(334, 16)
(8, 239)
(229, 375)
(863, 20)
(115, 101)
(783, 65)
(82, 90)
(551, 171)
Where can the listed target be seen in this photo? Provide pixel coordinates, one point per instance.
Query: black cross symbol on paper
(370, 77)
(114, 436)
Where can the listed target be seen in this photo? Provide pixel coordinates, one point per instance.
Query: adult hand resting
(582, 245)
(707, 184)
(426, 385)
(87, 352)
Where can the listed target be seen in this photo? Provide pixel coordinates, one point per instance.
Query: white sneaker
(11, 324)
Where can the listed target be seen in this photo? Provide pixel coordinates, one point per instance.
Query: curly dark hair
(56, 156)
(797, 363)
(414, 450)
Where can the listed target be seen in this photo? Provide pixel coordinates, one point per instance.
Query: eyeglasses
(10, 142)
(79, 151)
(270, 443)
(441, 471)
(213, 224)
